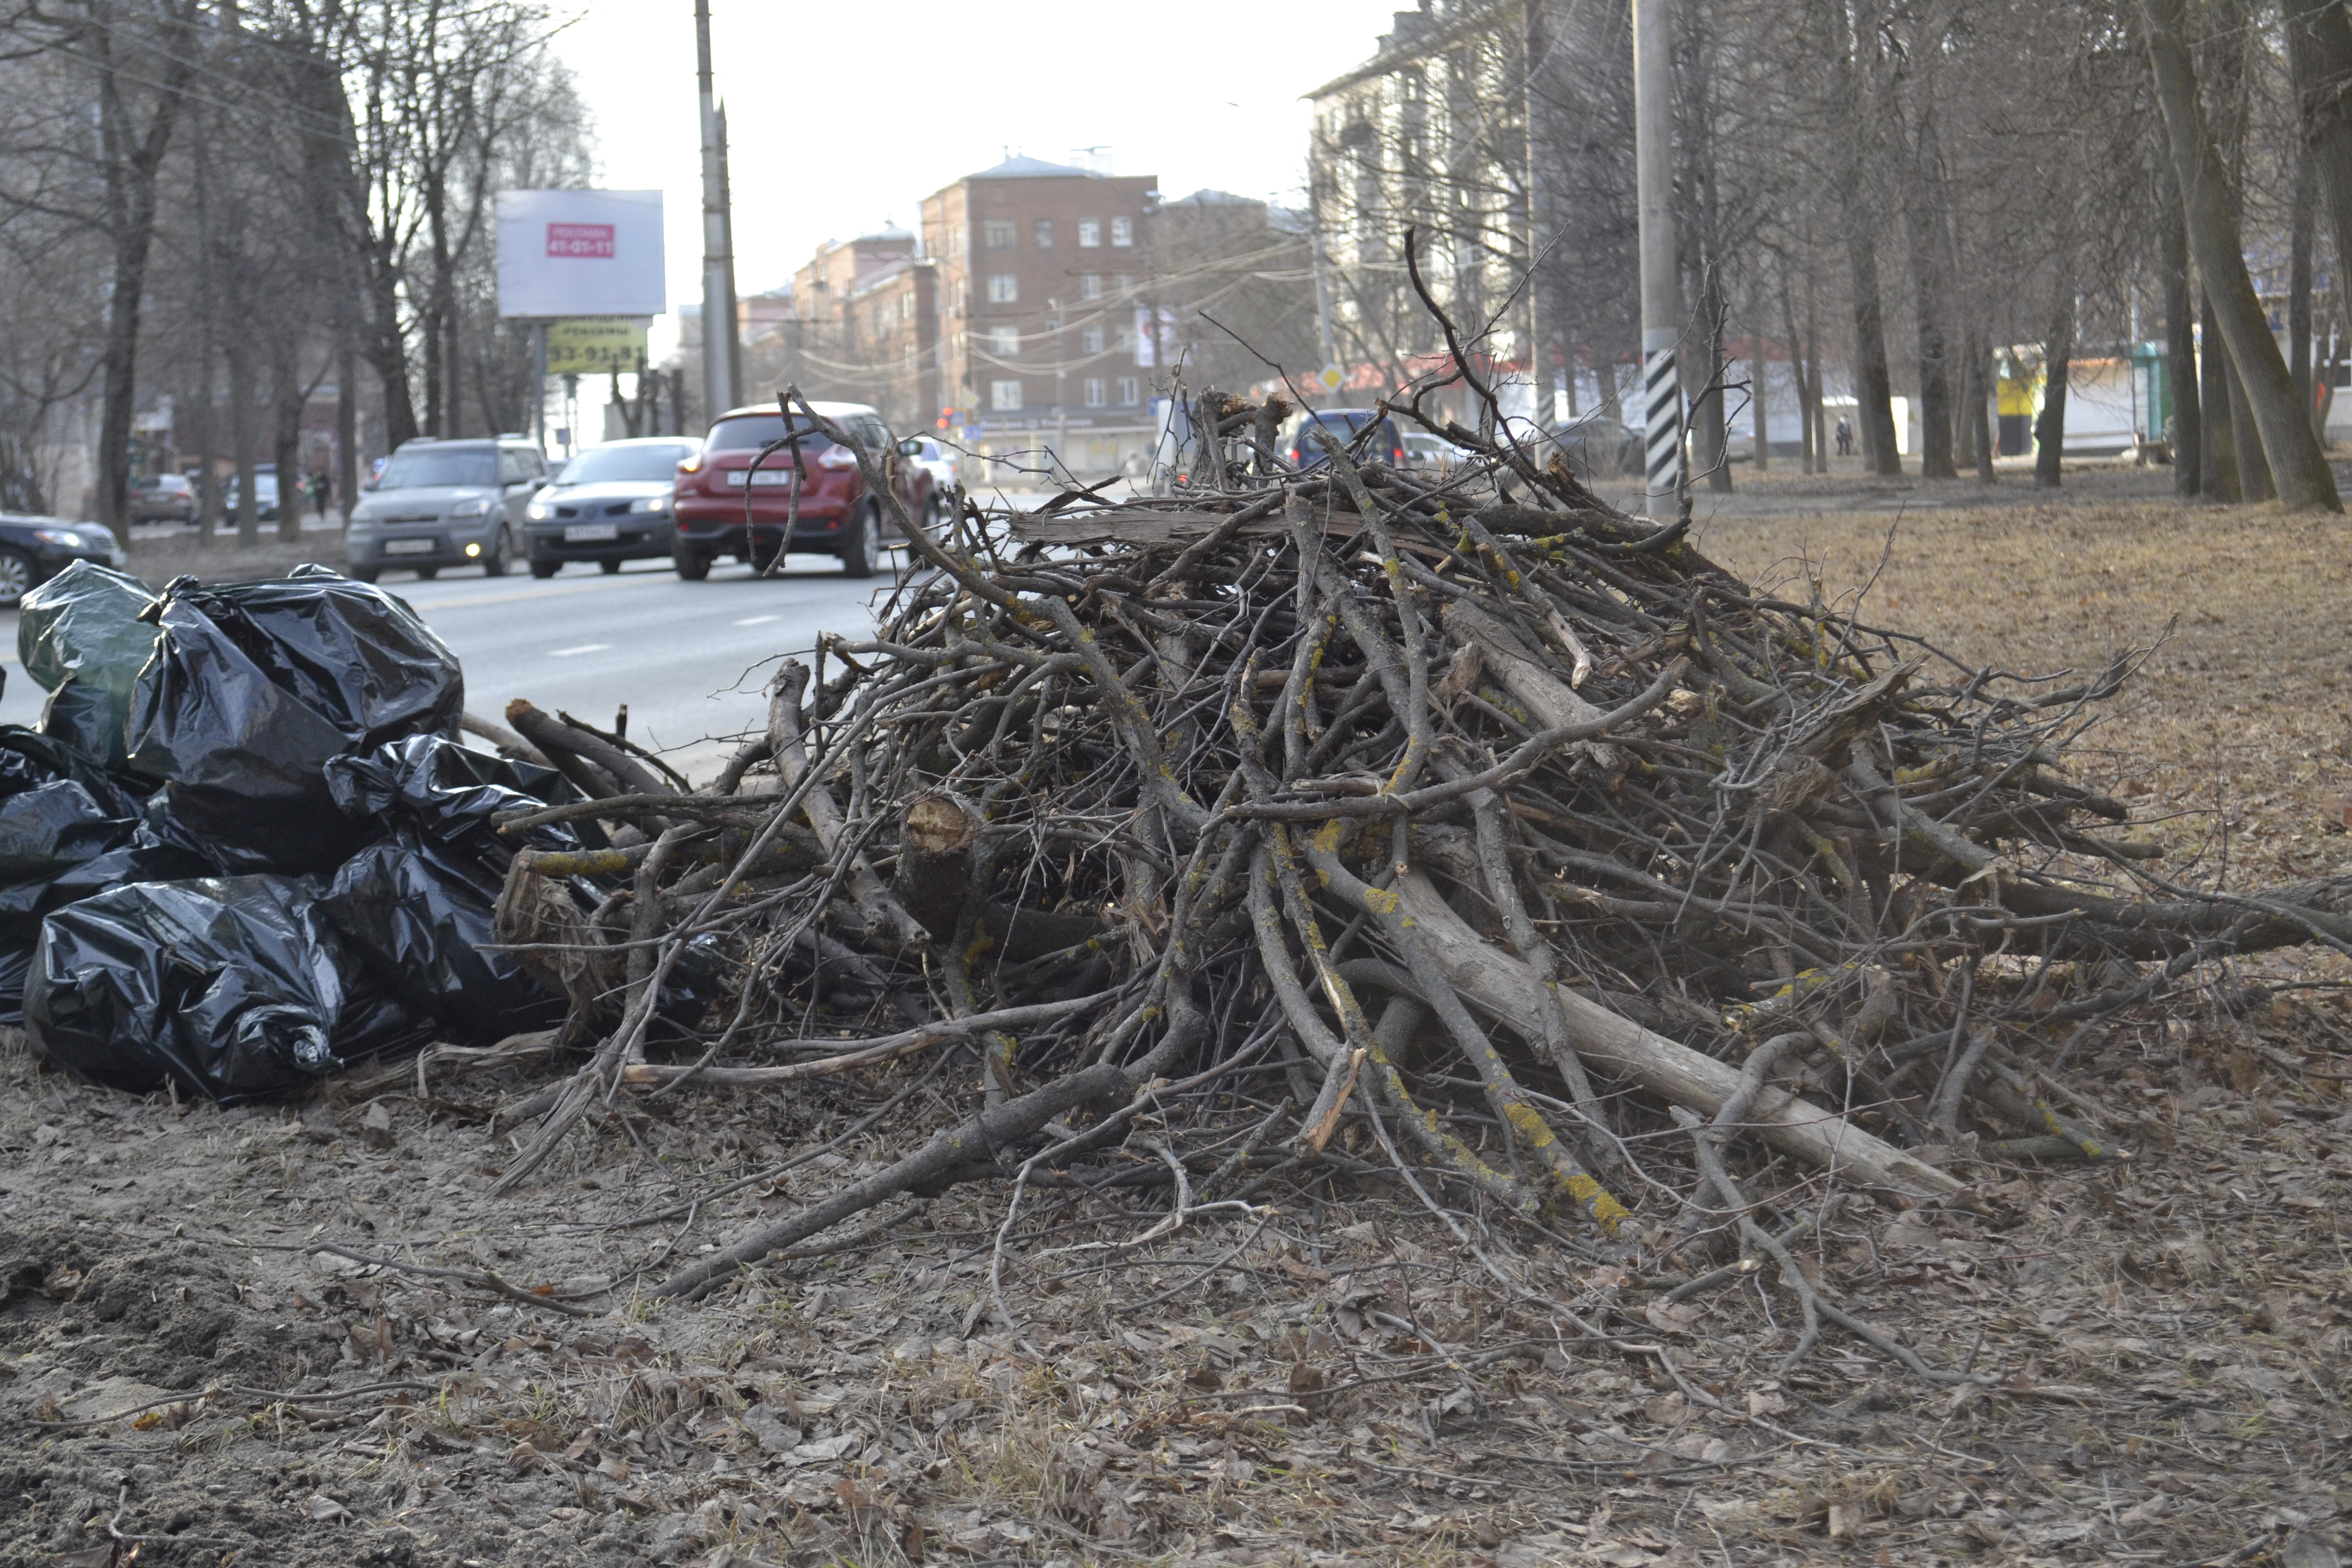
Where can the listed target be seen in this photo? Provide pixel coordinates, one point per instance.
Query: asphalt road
(689, 658)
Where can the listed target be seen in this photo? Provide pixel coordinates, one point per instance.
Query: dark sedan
(35, 549)
(610, 504)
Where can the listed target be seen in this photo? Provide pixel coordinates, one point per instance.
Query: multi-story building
(1427, 135)
(858, 323)
(1045, 342)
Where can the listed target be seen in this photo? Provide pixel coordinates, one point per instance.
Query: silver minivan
(445, 504)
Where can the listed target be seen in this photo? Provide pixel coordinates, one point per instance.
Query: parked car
(445, 504)
(265, 494)
(835, 513)
(1433, 453)
(611, 504)
(1600, 447)
(1305, 449)
(162, 498)
(945, 469)
(35, 549)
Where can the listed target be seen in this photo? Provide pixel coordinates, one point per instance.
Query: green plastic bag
(80, 636)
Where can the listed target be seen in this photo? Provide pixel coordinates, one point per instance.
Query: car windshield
(609, 465)
(753, 431)
(425, 469)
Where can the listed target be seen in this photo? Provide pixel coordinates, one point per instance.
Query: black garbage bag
(255, 686)
(236, 988)
(67, 829)
(83, 635)
(419, 906)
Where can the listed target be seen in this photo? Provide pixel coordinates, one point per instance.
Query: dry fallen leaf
(324, 1509)
(613, 1466)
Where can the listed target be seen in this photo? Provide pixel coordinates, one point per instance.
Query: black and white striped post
(1653, 147)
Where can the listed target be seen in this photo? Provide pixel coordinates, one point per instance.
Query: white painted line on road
(583, 647)
(758, 620)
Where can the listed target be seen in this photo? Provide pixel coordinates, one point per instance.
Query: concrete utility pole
(1322, 305)
(1654, 153)
(723, 361)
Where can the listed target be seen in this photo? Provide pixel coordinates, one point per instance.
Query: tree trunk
(1821, 420)
(2301, 220)
(2185, 432)
(133, 158)
(1714, 431)
(2253, 473)
(286, 442)
(1924, 223)
(2296, 464)
(347, 422)
(2320, 56)
(1975, 393)
(2057, 355)
(1796, 376)
(1757, 360)
(241, 424)
(1874, 388)
(2219, 459)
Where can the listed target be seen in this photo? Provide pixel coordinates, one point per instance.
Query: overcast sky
(843, 116)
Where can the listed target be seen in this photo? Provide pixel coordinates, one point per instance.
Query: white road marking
(583, 647)
(758, 620)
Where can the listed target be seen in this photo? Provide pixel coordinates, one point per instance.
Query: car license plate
(411, 546)
(584, 532)
(762, 479)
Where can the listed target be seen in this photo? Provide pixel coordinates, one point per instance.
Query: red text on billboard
(591, 241)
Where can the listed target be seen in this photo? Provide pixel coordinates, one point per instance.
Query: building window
(1090, 341)
(906, 306)
(1045, 232)
(1129, 392)
(1004, 289)
(1089, 285)
(1094, 392)
(1089, 234)
(1004, 394)
(1123, 285)
(1005, 342)
(1124, 340)
(998, 233)
(1122, 231)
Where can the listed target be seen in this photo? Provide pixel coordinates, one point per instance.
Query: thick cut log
(1508, 988)
(936, 836)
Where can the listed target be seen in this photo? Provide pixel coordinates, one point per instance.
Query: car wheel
(692, 564)
(863, 548)
(609, 568)
(502, 550)
(15, 575)
(361, 574)
(426, 573)
(544, 568)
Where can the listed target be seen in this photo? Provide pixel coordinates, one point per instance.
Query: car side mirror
(910, 447)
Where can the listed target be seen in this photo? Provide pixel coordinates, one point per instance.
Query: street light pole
(722, 371)
(1653, 148)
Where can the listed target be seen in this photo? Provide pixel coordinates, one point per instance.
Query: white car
(1422, 450)
(945, 470)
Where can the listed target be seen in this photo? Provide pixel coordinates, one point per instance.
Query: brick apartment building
(1042, 268)
(861, 324)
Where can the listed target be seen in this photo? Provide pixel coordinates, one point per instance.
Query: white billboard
(581, 253)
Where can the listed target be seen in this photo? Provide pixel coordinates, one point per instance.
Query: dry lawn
(1326, 1381)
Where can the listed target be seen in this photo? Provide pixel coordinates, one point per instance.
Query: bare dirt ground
(1324, 1379)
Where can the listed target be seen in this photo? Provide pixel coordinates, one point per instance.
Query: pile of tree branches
(1462, 829)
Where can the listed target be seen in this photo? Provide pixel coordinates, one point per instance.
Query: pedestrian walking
(1845, 436)
(320, 488)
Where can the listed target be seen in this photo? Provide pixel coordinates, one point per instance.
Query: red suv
(836, 514)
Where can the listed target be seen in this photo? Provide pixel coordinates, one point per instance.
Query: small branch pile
(1470, 831)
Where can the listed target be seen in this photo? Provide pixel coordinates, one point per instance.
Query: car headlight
(650, 503)
(539, 511)
(474, 508)
(65, 536)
